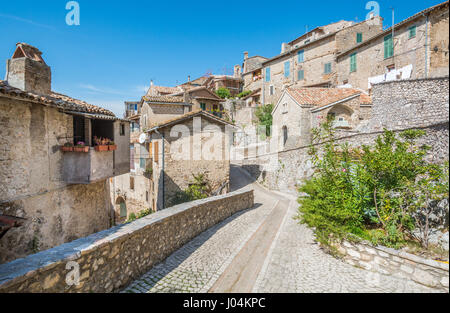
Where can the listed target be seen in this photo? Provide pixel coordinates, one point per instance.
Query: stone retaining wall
(388, 261)
(111, 259)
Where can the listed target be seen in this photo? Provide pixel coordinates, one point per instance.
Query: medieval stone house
(417, 47)
(61, 195)
(307, 61)
(300, 109)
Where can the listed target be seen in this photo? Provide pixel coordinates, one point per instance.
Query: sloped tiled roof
(162, 89)
(188, 116)
(163, 99)
(53, 99)
(320, 97)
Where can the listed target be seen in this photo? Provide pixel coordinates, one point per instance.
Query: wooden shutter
(359, 37)
(156, 151)
(150, 151)
(388, 46)
(353, 62)
(287, 66)
(301, 75)
(301, 56)
(268, 74)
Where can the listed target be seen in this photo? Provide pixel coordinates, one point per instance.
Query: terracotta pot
(66, 149)
(81, 149)
(101, 148)
(112, 147)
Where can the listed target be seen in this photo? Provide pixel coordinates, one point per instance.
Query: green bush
(244, 94)
(223, 93)
(374, 192)
(264, 115)
(197, 190)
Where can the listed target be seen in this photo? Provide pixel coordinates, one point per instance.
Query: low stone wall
(397, 263)
(111, 259)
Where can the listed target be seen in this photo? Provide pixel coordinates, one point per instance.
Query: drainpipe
(426, 46)
(162, 160)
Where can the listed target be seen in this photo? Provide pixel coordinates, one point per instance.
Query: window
(123, 209)
(390, 68)
(146, 196)
(285, 108)
(359, 37)
(301, 75)
(156, 152)
(122, 129)
(388, 46)
(353, 62)
(271, 90)
(412, 31)
(327, 69)
(131, 183)
(301, 56)
(131, 157)
(143, 155)
(307, 41)
(203, 106)
(287, 68)
(285, 135)
(268, 74)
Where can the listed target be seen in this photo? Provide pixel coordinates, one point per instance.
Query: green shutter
(301, 75)
(327, 69)
(203, 106)
(359, 37)
(388, 46)
(412, 31)
(353, 62)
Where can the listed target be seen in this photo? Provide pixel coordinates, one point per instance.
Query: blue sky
(120, 46)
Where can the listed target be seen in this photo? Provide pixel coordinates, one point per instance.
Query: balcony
(88, 167)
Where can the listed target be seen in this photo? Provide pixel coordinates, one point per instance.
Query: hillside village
(76, 175)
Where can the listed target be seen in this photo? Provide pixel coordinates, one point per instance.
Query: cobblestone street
(217, 260)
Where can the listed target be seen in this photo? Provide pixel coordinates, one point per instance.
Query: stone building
(417, 47)
(202, 98)
(307, 61)
(61, 196)
(195, 143)
(300, 109)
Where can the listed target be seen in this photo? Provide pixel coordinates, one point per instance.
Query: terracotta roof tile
(54, 99)
(319, 97)
(161, 89)
(163, 99)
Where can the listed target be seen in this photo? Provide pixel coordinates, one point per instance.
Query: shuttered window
(353, 62)
(287, 68)
(388, 46)
(327, 68)
(412, 31)
(268, 74)
(203, 106)
(359, 37)
(156, 155)
(300, 75)
(301, 56)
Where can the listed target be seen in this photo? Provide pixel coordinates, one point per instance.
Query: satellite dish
(142, 138)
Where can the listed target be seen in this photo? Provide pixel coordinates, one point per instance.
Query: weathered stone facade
(420, 50)
(397, 105)
(111, 259)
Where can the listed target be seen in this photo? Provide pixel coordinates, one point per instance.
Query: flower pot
(101, 148)
(112, 147)
(66, 149)
(81, 149)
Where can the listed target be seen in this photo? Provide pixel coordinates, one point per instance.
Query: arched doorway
(121, 209)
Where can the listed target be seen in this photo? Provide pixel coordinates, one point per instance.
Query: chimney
(237, 71)
(284, 47)
(245, 55)
(27, 70)
(189, 78)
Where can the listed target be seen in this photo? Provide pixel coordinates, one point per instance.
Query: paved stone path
(262, 249)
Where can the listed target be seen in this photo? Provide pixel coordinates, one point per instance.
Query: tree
(223, 93)
(264, 115)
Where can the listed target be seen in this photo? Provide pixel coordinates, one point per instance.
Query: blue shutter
(287, 67)
(301, 56)
(301, 75)
(268, 74)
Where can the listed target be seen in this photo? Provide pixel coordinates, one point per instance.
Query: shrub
(223, 93)
(377, 192)
(264, 115)
(244, 94)
(197, 190)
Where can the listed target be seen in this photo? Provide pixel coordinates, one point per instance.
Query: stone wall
(111, 259)
(32, 183)
(397, 105)
(400, 264)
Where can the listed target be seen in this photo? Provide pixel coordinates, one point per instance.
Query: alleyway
(262, 249)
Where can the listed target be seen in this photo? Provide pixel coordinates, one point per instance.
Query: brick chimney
(27, 70)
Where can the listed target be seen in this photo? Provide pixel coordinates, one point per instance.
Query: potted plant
(101, 144)
(112, 146)
(67, 147)
(81, 147)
